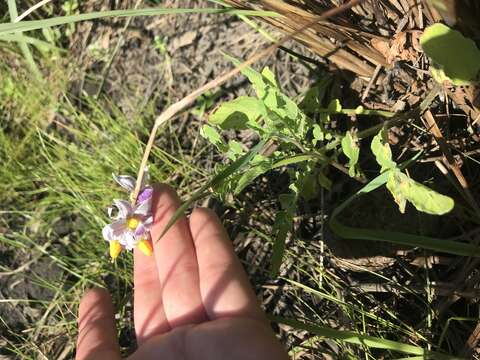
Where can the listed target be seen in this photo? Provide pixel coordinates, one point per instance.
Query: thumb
(97, 335)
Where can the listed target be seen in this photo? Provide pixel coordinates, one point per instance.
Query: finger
(176, 262)
(224, 286)
(149, 317)
(97, 338)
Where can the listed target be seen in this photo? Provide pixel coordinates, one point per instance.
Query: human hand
(192, 299)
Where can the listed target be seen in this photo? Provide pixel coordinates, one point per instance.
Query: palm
(192, 298)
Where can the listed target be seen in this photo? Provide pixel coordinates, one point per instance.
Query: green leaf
(270, 77)
(217, 181)
(256, 79)
(396, 184)
(363, 340)
(235, 149)
(423, 198)
(381, 150)
(456, 57)
(211, 134)
(317, 133)
(413, 240)
(282, 226)
(334, 106)
(352, 151)
(309, 187)
(251, 174)
(323, 180)
(313, 98)
(238, 114)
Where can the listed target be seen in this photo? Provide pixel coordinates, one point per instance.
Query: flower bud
(115, 249)
(145, 247)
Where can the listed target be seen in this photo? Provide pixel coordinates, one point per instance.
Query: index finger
(224, 286)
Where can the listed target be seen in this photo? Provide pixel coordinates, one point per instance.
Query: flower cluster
(132, 220)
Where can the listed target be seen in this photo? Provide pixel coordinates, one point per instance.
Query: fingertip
(202, 218)
(224, 286)
(98, 297)
(97, 333)
(163, 194)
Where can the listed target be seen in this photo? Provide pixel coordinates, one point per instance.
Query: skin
(192, 298)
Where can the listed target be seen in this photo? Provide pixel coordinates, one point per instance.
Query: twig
(371, 82)
(30, 10)
(186, 101)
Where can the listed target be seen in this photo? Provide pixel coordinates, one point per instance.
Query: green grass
(56, 182)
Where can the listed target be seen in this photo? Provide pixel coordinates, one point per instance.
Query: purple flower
(131, 225)
(128, 183)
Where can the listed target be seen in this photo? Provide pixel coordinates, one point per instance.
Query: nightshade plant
(306, 144)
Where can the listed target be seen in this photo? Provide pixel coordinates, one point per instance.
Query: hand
(192, 299)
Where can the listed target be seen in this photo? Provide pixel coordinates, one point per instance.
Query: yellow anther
(115, 249)
(132, 223)
(145, 247)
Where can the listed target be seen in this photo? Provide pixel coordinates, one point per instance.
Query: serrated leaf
(238, 114)
(381, 150)
(352, 151)
(422, 197)
(455, 56)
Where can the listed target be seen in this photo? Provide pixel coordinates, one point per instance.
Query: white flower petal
(143, 209)
(128, 240)
(114, 230)
(107, 233)
(124, 208)
(125, 181)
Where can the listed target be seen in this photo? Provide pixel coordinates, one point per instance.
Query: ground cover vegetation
(344, 165)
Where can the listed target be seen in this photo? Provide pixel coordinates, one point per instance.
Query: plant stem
(186, 101)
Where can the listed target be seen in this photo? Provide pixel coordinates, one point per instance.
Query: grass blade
(27, 54)
(364, 340)
(8, 28)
